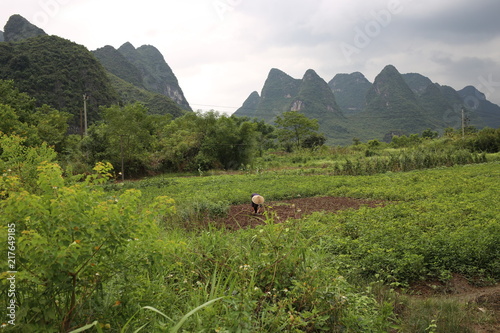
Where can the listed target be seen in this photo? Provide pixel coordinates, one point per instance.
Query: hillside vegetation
(58, 73)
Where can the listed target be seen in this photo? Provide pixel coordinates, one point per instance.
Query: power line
(216, 106)
(348, 117)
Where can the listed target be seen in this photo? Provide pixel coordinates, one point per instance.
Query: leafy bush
(486, 140)
(66, 239)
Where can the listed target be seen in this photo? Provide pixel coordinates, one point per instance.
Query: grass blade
(190, 313)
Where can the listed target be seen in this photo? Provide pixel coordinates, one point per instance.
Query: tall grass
(406, 161)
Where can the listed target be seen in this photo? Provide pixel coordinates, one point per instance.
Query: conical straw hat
(258, 200)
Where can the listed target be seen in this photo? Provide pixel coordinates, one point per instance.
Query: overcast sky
(222, 50)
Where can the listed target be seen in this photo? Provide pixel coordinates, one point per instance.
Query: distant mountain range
(58, 72)
(350, 106)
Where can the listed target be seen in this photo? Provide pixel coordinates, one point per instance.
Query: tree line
(138, 143)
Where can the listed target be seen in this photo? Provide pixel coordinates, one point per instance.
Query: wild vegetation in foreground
(117, 257)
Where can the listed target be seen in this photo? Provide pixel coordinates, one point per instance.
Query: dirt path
(483, 300)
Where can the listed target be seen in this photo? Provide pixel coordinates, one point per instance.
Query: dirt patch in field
(242, 216)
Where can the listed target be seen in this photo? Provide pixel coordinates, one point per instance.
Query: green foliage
(122, 256)
(294, 127)
(429, 134)
(18, 115)
(129, 133)
(371, 158)
(487, 140)
(401, 242)
(66, 237)
(314, 141)
(300, 275)
(439, 315)
(51, 126)
(22, 103)
(21, 162)
(154, 102)
(207, 141)
(404, 141)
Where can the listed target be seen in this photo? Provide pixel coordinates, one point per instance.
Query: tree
(429, 134)
(224, 142)
(265, 133)
(205, 141)
(124, 138)
(18, 115)
(314, 141)
(178, 143)
(294, 127)
(51, 125)
(231, 144)
(67, 236)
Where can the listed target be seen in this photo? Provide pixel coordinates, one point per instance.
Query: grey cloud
(461, 21)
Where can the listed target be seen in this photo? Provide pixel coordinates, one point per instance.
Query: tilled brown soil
(242, 216)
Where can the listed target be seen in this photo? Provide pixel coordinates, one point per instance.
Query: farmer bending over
(257, 202)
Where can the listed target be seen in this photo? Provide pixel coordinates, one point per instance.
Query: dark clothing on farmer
(255, 206)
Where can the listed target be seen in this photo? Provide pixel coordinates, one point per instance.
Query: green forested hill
(18, 28)
(144, 76)
(480, 107)
(395, 104)
(118, 65)
(316, 100)
(315, 97)
(154, 102)
(57, 72)
(392, 107)
(310, 95)
(417, 82)
(156, 74)
(276, 97)
(350, 91)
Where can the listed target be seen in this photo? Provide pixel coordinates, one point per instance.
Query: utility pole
(85, 98)
(121, 155)
(81, 121)
(463, 123)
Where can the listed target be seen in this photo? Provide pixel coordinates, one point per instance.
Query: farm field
(415, 251)
(430, 225)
